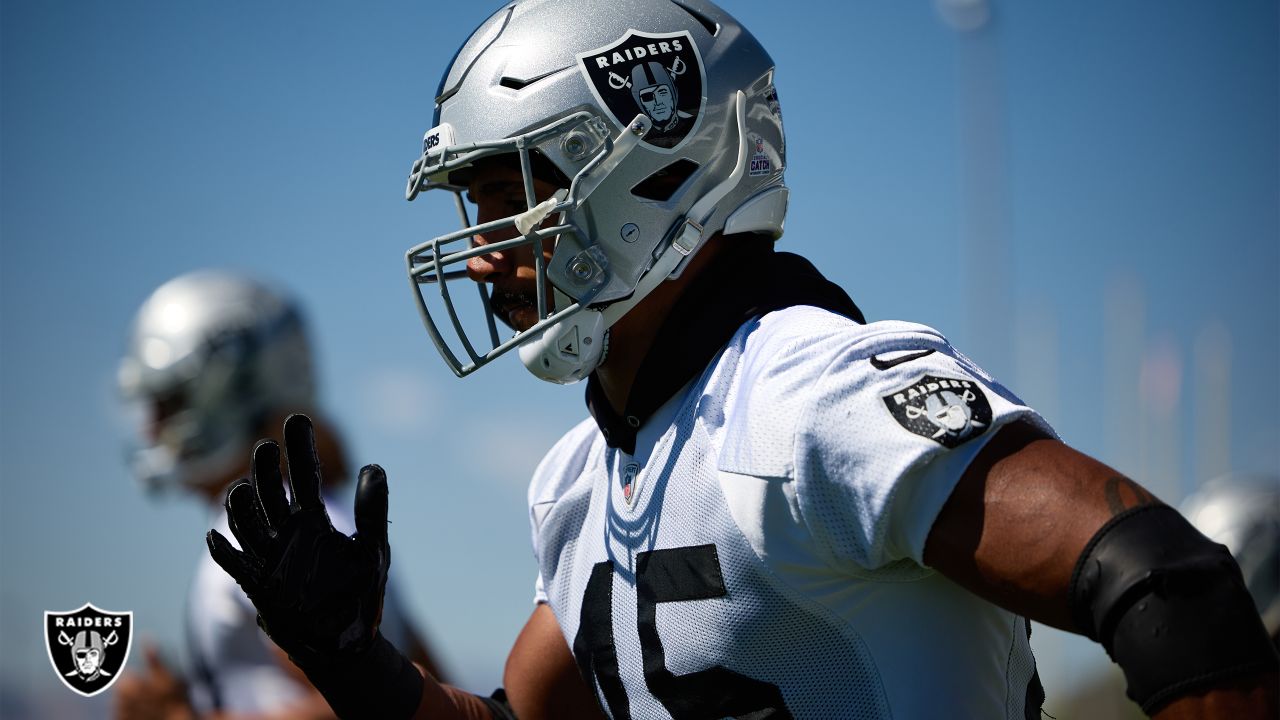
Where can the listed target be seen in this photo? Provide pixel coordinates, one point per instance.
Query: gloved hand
(317, 591)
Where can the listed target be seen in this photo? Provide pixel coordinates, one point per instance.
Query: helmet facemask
(565, 285)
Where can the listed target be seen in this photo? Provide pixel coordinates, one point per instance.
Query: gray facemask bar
(426, 262)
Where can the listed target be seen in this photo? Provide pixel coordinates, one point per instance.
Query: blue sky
(1083, 197)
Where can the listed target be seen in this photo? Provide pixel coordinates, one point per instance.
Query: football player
(776, 508)
(1243, 512)
(214, 362)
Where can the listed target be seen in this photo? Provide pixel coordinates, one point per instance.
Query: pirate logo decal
(88, 647)
(947, 410)
(659, 75)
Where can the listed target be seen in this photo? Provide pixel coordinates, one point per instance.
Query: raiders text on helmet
(661, 123)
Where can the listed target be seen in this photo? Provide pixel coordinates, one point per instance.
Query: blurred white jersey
(761, 553)
(234, 668)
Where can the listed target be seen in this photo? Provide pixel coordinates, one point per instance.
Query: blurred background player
(1243, 513)
(215, 362)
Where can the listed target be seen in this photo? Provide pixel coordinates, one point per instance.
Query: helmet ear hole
(664, 183)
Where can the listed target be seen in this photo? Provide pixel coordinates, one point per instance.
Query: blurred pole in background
(1211, 406)
(1160, 431)
(1036, 354)
(1123, 339)
(984, 184)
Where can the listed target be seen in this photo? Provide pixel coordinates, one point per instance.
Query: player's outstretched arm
(1050, 533)
(319, 592)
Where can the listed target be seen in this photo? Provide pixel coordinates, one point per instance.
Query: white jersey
(234, 668)
(762, 549)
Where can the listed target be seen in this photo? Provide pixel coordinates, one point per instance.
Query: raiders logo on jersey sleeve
(947, 410)
(659, 75)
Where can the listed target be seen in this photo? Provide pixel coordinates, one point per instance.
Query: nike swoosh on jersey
(879, 364)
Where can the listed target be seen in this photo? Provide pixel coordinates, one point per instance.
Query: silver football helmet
(1243, 513)
(661, 123)
(210, 356)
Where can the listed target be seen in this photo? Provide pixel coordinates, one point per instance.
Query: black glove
(317, 591)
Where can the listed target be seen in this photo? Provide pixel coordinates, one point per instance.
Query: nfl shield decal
(88, 647)
(659, 75)
(947, 410)
(628, 482)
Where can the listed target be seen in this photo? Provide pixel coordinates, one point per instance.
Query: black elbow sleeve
(1169, 605)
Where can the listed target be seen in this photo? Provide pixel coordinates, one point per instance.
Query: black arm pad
(1169, 605)
(378, 684)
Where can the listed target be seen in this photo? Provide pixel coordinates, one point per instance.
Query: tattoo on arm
(1123, 493)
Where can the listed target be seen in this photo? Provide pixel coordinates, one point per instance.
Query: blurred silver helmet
(1243, 513)
(646, 173)
(211, 355)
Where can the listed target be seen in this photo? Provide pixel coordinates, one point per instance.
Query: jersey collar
(747, 282)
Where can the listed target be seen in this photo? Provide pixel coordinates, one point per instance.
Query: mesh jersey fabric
(233, 666)
(770, 556)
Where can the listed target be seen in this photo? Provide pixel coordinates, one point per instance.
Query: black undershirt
(747, 281)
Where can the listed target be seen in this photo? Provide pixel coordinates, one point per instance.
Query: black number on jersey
(687, 573)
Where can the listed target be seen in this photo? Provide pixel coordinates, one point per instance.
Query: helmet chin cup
(567, 351)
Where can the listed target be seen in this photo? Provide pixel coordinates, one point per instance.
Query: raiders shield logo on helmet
(660, 76)
(88, 647)
(947, 410)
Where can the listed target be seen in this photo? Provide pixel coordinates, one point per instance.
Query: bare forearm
(1248, 697)
(1022, 553)
(445, 702)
